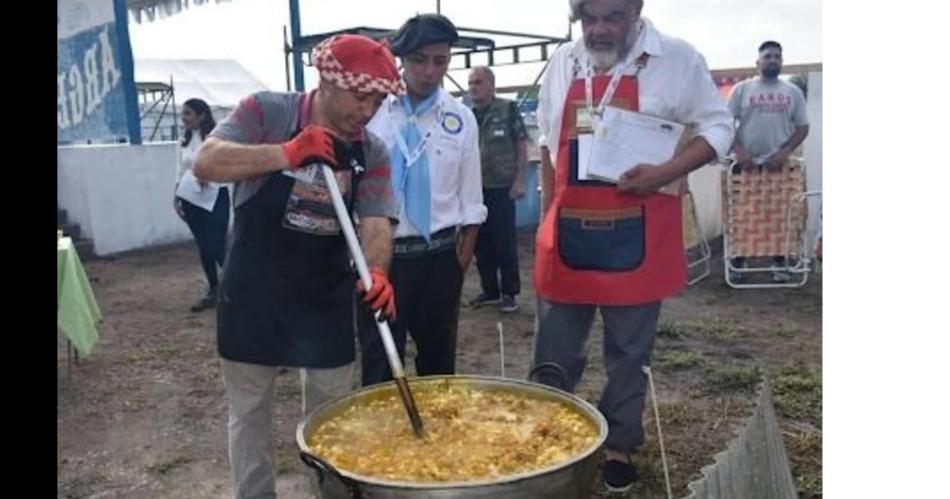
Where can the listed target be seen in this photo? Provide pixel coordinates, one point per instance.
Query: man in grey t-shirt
(771, 115)
(772, 123)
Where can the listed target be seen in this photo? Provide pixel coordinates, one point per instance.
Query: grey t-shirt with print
(273, 118)
(768, 113)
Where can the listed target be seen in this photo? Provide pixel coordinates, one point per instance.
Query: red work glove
(381, 296)
(313, 144)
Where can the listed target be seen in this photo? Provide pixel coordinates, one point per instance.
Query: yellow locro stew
(471, 434)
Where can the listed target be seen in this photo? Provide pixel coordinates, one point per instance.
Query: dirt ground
(144, 415)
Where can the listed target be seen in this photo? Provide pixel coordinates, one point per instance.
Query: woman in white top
(204, 206)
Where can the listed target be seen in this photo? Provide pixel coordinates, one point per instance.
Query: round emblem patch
(452, 123)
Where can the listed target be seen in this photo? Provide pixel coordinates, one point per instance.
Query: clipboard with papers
(203, 196)
(623, 139)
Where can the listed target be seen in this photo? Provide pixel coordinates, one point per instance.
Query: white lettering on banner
(77, 99)
(110, 72)
(63, 116)
(93, 97)
(82, 92)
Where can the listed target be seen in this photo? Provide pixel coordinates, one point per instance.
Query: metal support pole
(287, 56)
(294, 36)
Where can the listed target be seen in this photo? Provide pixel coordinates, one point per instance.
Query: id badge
(585, 121)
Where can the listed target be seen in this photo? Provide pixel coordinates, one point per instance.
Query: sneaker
(781, 276)
(484, 299)
(508, 303)
(619, 476)
(210, 300)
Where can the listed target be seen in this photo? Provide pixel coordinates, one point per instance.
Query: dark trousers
(496, 248)
(211, 233)
(428, 288)
(629, 333)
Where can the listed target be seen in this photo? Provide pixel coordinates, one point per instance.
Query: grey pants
(250, 394)
(561, 337)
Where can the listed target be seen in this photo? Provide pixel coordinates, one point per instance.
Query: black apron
(287, 293)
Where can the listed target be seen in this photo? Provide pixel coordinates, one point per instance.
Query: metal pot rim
(582, 405)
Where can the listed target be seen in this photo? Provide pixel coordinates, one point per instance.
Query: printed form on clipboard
(624, 139)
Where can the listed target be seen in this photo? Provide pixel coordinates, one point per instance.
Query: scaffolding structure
(151, 95)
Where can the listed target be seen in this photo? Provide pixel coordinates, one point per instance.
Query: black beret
(422, 30)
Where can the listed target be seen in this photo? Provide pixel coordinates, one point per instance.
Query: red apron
(596, 245)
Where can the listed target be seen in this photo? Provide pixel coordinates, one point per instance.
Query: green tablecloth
(78, 312)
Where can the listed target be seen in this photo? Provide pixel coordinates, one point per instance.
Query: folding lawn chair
(764, 214)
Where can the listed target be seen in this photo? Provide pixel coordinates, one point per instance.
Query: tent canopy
(219, 82)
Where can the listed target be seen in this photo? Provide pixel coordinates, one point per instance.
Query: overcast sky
(727, 32)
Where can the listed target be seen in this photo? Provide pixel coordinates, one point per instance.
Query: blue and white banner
(97, 100)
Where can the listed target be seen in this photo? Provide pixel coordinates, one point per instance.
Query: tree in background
(800, 81)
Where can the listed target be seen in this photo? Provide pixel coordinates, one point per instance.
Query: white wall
(121, 195)
(813, 166)
(706, 186)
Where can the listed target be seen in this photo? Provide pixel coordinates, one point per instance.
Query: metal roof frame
(471, 42)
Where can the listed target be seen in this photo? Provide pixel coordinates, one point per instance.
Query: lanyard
(617, 73)
(412, 157)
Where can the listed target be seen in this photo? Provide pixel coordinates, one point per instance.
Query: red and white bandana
(357, 63)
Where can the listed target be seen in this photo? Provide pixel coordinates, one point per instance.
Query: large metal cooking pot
(571, 479)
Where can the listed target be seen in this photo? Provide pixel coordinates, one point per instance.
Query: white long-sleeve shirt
(455, 170)
(675, 85)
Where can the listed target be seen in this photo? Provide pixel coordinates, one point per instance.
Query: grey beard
(604, 60)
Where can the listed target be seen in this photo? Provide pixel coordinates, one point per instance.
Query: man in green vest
(503, 146)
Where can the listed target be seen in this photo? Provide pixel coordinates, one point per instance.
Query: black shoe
(210, 300)
(736, 276)
(484, 299)
(508, 303)
(619, 476)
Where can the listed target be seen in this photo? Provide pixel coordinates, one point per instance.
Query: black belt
(413, 245)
